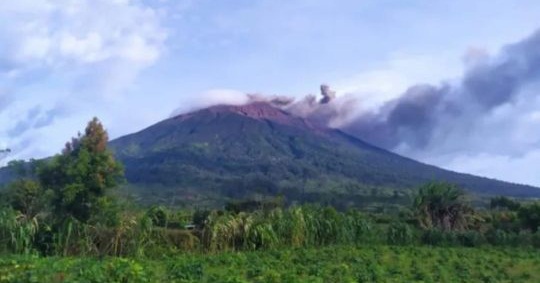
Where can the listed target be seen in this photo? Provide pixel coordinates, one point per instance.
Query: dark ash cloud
(427, 112)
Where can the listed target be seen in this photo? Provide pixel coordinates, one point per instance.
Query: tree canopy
(82, 174)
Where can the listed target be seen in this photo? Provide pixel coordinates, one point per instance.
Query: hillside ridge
(259, 149)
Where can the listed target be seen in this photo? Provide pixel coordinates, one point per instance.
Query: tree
(442, 206)
(82, 174)
(18, 167)
(502, 202)
(530, 216)
(25, 169)
(27, 197)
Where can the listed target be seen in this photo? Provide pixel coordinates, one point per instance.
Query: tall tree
(442, 206)
(82, 174)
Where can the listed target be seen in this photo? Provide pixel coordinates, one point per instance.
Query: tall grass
(293, 227)
(17, 232)
(136, 234)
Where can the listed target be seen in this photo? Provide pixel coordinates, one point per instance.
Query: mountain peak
(258, 149)
(258, 110)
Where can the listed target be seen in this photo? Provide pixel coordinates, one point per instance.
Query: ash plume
(428, 114)
(329, 110)
(276, 100)
(327, 93)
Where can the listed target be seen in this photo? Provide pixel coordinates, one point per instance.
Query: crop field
(329, 264)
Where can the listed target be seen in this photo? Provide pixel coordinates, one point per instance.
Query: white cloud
(60, 33)
(87, 49)
(70, 54)
(375, 87)
(212, 97)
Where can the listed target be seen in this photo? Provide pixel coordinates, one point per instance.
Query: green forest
(63, 220)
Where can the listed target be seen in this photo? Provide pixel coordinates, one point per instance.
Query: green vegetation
(329, 264)
(61, 221)
(80, 177)
(442, 206)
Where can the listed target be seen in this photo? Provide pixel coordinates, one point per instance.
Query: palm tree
(442, 205)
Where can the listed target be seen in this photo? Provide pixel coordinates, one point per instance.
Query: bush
(199, 217)
(399, 233)
(185, 272)
(158, 215)
(523, 238)
(471, 239)
(536, 239)
(498, 237)
(436, 237)
(179, 239)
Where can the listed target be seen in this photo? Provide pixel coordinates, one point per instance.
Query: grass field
(329, 264)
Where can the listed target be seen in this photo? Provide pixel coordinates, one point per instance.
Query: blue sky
(132, 63)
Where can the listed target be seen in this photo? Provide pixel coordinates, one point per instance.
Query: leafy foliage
(530, 216)
(502, 202)
(442, 206)
(330, 264)
(158, 215)
(82, 174)
(400, 233)
(28, 197)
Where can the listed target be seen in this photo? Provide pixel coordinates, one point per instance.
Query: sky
(133, 63)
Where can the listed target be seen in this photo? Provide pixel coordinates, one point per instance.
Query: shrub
(536, 239)
(437, 237)
(497, 237)
(471, 239)
(399, 233)
(523, 238)
(158, 215)
(179, 239)
(185, 272)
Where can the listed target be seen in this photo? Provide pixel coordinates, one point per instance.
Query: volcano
(259, 150)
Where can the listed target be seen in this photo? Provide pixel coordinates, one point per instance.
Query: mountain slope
(257, 149)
